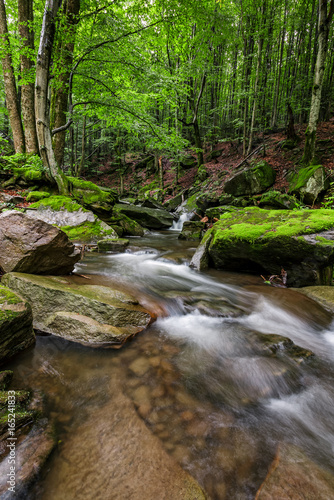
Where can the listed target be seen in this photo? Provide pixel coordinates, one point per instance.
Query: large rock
(294, 476)
(33, 442)
(192, 230)
(30, 245)
(78, 223)
(251, 181)
(265, 241)
(275, 199)
(90, 314)
(309, 183)
(91, 196)
(148, 217)
(16, 332)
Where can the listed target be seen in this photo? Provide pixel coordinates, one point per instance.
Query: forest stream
(199, 377)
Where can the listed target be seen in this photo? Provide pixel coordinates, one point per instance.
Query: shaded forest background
(112, 81)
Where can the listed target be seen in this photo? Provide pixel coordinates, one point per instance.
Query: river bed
(198, 376)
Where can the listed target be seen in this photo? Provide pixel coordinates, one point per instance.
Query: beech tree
(325, 18)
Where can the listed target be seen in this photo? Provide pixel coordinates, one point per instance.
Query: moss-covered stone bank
(265, 241)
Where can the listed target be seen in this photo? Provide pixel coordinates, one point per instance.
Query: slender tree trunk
(161, 173)
(26, 19)
(310, 134)
(41, 95)
(71, 10)
(10, 85)
(83, 146)
(258, 66)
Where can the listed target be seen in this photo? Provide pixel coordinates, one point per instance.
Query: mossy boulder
(251, 180)
(124, 226)
(192, 230)
(147, 217)
(91, 196)
(175, 202)
(202, 173)
(265, 241)
(80, 224)
(309, 183)
(89, 314)
(112, 245)
(37, 196)
(275, 199)
(16, 331)
(188, 162)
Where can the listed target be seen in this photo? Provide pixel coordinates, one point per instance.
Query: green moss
(87, 231)
(28, 173)
(37, 195)
(58, 203)
(253, 223)
(300, 179)
(88, 193)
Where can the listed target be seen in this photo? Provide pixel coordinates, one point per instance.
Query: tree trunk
(10, 85)
(42, 108)
(26, 19)
(71, 9)
(161, 173)
(310, 134)
(83, 146)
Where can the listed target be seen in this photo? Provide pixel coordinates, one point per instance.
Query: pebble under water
(200, 376)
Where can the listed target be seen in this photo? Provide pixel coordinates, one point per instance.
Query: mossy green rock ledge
(265, 241)
(150, 218)
(16, 332)
(92, 315)
(79, 224)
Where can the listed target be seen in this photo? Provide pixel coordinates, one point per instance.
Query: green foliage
(19, 160)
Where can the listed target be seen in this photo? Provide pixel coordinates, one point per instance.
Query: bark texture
(10, 85)
(26, 18)
(71, 10)
(324, 26)
(41, 95)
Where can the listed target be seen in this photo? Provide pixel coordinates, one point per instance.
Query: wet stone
(140, 366)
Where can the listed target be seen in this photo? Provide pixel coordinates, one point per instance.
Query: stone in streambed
(293, 475)
(16, 332)
(90, 314)
(129, 463)
(112, 245)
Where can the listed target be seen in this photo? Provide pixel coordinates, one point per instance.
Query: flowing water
(200, 378)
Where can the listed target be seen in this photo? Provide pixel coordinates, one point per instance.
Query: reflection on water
(199, 377)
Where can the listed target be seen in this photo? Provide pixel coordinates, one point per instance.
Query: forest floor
(283, 161)
(220, 169)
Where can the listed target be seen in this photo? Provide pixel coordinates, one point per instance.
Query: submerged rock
(265, 241)
(131, 462)
(324, 295)
(148, 217)
(16, 332)
(89, 314)
(293, 475)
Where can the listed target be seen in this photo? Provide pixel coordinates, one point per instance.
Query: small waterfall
(178, 225)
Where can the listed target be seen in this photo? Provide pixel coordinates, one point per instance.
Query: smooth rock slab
(16, 332)
(152, 218)
(32, 246)
(118, 459)
(293, 476)
(89, 314)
